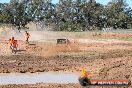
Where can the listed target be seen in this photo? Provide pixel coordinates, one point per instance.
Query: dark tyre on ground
(84, 81)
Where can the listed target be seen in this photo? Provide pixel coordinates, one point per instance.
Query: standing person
(27, 36)
(14, 45)
(11, 42)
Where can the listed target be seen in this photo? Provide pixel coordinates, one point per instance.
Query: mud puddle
(33, 78)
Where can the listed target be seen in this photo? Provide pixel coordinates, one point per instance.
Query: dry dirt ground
(102, 58)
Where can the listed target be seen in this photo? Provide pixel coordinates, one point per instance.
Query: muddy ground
(102, 58)
(43, 85)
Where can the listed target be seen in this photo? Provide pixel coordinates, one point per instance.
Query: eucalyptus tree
(116, 13)
(3, 13)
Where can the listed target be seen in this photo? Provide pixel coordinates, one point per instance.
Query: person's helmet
(12, 38)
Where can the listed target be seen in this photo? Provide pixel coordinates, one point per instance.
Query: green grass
(126, 39)
(123, 39)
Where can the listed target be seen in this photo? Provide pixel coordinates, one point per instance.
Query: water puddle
(33, 78)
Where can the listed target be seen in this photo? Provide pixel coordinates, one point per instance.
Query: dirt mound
(33, 49)
(117, 69)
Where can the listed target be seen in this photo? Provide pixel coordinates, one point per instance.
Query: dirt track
(42, 85)
(107, 59)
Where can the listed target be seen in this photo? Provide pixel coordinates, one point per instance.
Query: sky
(100, 1)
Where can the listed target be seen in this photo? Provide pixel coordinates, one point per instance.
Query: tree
(67, 15)
(116, 14)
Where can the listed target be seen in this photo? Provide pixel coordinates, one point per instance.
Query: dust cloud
(39, 36)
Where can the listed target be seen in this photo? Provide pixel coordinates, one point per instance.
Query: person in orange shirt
(14, 45)
(11, 42)
(27, 36)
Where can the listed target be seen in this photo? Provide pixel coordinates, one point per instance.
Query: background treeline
(67, 15)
